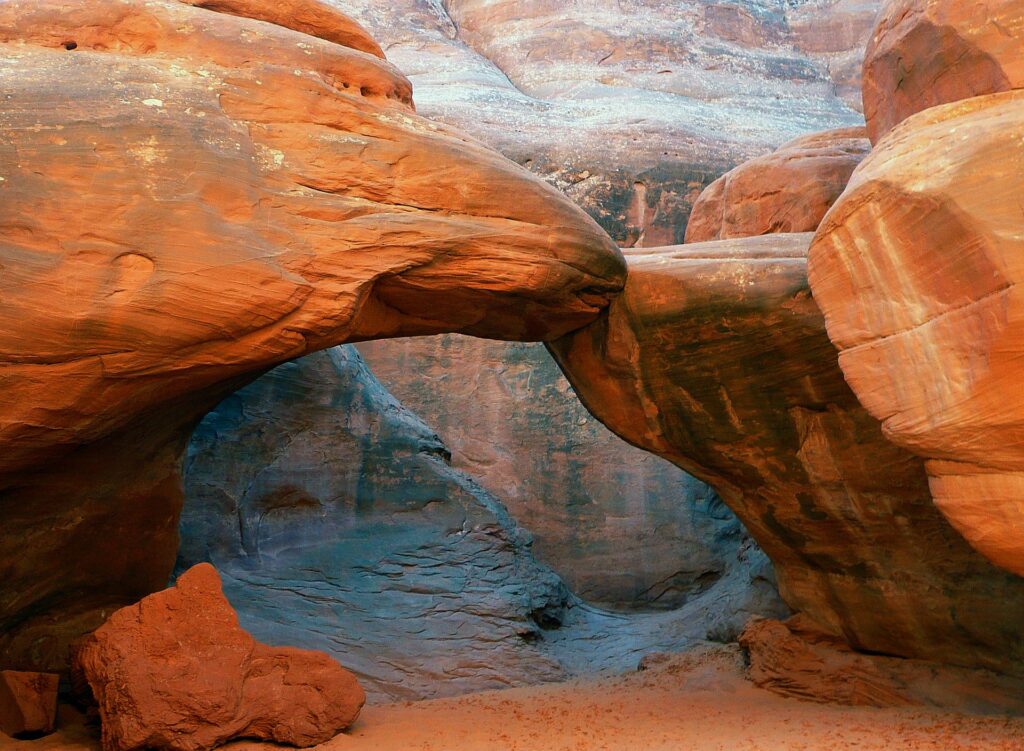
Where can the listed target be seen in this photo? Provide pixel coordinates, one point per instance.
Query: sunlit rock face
(918, 270)
(789, 190)
(928, 52)
(191, 197)
(716, 357)
(630, 106)
(917, 265)
(337, 522)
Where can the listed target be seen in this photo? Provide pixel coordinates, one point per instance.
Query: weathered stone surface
(794, 658)
(834, 33)
(928, 52)
(338, 524)
(716, 357)
(175, 671)
(314, 17)
(623, 527)
(189, 198)
(28, 703)
(630, 106)
(918, 269)
(789, 190)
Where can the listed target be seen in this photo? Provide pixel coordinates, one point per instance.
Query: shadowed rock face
(795, 659)
(928, 52)
(918, 269)
(189, 198)
(337, 522)
(789, 190)
(716, 358)
(333, 516)
(624, 528)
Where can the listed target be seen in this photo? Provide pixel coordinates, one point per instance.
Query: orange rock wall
(190, 197)
(717, 358)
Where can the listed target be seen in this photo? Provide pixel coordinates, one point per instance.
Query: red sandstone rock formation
(928, 52)
(716, 358)
(794, 658)
(28, 703)
(789, 190)
(918, 270)
(189, 198)
(834, 33)
(176, 671)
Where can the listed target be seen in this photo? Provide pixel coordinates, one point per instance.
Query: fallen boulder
(175, 671)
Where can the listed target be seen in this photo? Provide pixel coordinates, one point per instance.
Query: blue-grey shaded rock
(625, 528)
(333, 516)
(337, 523)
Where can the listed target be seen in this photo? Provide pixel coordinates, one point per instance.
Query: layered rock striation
(338, 524)
(918, 273)
(917, 265)
(191, 197)
(717, 358)
(630, 106)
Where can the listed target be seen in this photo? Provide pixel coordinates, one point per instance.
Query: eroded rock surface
(789, 190)
(175, 671)
(716, 358)
(928, 52)
(191, 197)
(623, 528)
(338, 524)
(28, 703)
(630, 106)
(918, 271)
(794, 658)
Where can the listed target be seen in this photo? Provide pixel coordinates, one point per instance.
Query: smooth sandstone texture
(716, 358)
(789, 190)
(28, 703)
(175, 671)
(188, 198)
(918, 269)
(928, 52)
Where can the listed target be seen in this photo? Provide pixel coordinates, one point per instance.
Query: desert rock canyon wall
(208, 195)
(203, 199)
(631, 108)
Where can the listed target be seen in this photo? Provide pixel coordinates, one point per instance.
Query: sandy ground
(697, 702)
